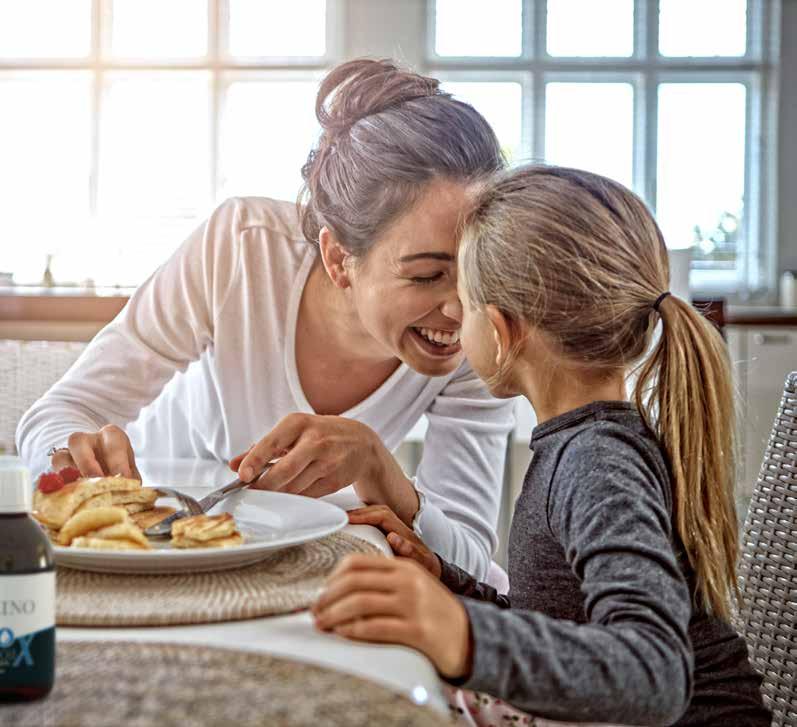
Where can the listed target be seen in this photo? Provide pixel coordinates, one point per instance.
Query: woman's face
(405, 288)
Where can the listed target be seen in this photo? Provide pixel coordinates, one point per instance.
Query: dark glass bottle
(27, 594)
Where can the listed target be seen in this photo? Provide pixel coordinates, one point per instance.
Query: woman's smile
(436, 342)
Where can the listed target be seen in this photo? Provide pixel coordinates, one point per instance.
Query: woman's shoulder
(265, 237)
(270, 215)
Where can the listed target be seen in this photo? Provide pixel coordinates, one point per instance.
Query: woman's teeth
(441, 338)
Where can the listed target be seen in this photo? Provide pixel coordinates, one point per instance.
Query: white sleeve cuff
(422, 505)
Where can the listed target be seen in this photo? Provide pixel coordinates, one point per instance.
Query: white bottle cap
(15, 489)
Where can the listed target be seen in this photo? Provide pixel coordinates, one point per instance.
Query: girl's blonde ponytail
(685, 392)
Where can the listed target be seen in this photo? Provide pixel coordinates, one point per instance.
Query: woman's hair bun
(386, 133)
(364, 87)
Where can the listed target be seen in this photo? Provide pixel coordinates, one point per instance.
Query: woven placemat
(287, 580)
(102, 683)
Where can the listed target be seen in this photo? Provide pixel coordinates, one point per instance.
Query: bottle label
(27, 628)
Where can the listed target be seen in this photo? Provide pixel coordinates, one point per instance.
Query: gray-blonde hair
(387, 132)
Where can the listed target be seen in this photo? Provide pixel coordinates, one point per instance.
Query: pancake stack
(79, 511)
(111, 513)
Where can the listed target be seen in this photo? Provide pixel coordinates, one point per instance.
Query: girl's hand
(394, 600)
(402, 539)
(319, 455)
(97, 454)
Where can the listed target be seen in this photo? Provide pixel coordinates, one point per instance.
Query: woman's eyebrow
(433, 255)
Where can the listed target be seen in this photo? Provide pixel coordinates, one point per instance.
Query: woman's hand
(97, 454)
(319, 455)
(402, 539)
(394, 600)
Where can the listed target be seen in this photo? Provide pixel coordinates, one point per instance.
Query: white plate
(267, 520)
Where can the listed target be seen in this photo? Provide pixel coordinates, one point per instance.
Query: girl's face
(486, 341)
(479, 340)
(404, 290)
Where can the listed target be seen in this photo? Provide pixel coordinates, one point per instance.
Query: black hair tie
(659, 300)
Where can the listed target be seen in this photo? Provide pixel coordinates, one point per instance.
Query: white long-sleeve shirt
(201, 363)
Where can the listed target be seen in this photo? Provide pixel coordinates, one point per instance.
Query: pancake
(204, 527)
(53, 509)
(206, 531)
(141, 499)
(121, 531)
(136, 507)
(103, 544)
(227, 542)
(148, 518)
(84, 522)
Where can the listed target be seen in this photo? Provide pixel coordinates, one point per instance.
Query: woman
(325, 354)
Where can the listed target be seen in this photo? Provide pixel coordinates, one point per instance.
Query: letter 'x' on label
(24, 651)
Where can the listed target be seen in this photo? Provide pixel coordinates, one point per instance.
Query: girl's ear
(502, 333)
(334, 256)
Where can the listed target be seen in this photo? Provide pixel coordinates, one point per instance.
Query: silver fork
(189, 503)
(192, 507)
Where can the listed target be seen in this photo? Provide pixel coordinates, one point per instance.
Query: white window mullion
(650, 99)
(99, 20)
(530, 22)
(540, 30)
(539, 54)
(538, 116)
(641, 155)
(750, 263)
(216, 21)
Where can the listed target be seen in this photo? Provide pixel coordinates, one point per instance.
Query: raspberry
(69, 474)
(50, 482)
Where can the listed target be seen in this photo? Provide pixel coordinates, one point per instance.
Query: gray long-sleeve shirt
(601, 626)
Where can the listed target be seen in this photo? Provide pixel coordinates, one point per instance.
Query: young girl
(623, 546)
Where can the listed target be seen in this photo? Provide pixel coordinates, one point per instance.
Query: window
(669, 97)
(124, 122)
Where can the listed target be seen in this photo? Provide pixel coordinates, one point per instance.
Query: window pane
(44, 175)
(501, 103)
(268, 129)
(591, 126)
(126, 249)
(704, 28)
(296, 28)
(476, 28)
(154, 156)
(45, 28)
(157, 29)
(700, 180)
(572, 25)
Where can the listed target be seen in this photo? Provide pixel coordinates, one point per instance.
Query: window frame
(412, 40)
(222, 69)
(645, 69)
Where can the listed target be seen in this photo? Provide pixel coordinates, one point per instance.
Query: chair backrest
(768, 566)
(27, 370)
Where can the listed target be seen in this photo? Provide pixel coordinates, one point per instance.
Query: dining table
(401, 670)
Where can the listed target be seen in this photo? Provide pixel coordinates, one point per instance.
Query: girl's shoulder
(601, 457)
